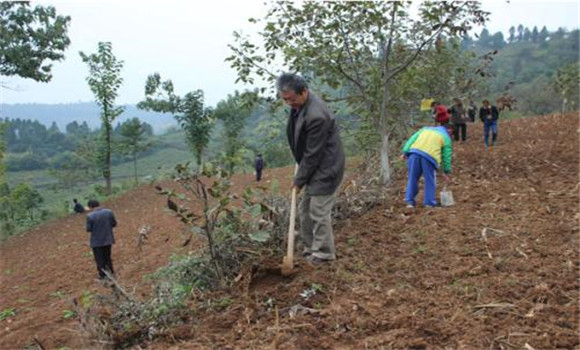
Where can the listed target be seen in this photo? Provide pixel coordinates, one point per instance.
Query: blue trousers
(487, 126)
(419, 165)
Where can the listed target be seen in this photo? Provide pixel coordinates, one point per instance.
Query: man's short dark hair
(75, 200)
(434, 103)
(291, 82)
(93, 203)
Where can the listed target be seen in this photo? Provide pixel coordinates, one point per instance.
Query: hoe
(288, 261)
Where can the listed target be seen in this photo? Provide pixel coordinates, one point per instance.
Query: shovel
(446, 198)
(288, 261)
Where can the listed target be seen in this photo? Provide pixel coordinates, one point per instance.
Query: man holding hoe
(314, 140)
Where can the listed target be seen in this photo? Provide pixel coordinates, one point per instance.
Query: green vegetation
(105, 80)
(234, 112)
(374, 87)
(31, 38)
(6, 313)
(195, 120)
(133, 141)
(66, 314)
(533, 68)
(359, 49)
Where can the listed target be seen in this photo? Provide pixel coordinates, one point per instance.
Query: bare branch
(415, 55)
(349, 52)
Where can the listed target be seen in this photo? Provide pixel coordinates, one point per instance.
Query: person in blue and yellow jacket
(427, 150)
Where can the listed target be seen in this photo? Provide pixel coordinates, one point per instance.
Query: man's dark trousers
(258, 174)
(457, 128)
(103, 260)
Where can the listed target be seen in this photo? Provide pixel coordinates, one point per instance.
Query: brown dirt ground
(423, 278)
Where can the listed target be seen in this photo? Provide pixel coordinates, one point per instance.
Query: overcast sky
(186, 41)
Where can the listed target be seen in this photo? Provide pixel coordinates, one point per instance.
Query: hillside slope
(498, 270)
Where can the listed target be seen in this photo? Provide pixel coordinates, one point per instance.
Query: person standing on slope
(314, 140)
(258, 166)
(489, 115)
(100, 223)
(458, 120)
(427, 150)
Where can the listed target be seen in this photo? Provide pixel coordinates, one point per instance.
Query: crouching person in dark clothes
(78, 207)
(100, 223)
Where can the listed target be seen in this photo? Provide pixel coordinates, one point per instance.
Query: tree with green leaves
(7, 211)
(544, 34)
(527, 35)
(30, 39)
(2, 151)
(105, 80)
(27, 200)
(520, 33)
(360, 47)
(512, 36)
(134, 139)
(566, 85)
(196, 120)
(234, 112)
(535, 35)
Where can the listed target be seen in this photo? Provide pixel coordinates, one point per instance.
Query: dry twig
(493, 305)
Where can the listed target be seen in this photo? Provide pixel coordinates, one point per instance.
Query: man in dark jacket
(259, 165)
(314, 140)
(489, 115)
(100, 223)
(458, 120)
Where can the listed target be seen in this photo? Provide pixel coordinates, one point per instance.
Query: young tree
(105, 80)
(27, 200)
(2, 151)
(234, 112)
(484, 38)
(497, 41)
(566, 85)
(520, 33)
(544, 34)
(30, 39)
(535, 35)
(134, 140)
(512, 36)
(195, 119)
(527, 34)
(7, 211)
(359, 46)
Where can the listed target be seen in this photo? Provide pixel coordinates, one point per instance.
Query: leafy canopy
(189, 111)
(105, 80)
(234, 113)
(30, 39)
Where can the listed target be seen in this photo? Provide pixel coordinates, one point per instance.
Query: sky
(186, 41)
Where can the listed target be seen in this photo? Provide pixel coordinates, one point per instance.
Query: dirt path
(498, 270)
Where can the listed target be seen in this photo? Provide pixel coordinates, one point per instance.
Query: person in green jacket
(427, 150)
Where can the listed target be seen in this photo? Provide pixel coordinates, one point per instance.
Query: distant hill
(65, 113)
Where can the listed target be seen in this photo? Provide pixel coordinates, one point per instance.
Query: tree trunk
(385, 163)
(199, 158)
(107, 171)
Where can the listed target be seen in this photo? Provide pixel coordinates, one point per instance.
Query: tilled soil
(499, 270)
